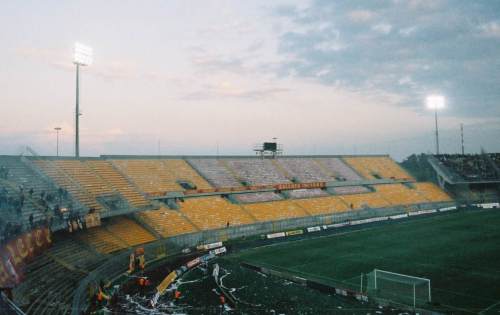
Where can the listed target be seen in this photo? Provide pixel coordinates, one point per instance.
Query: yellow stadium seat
(399, 194)
(101, 240)
(115, 179)
(322, 205)
(360, 201)
(373, 167)
(275, 210)
(129, 231)
(432, 192)
(160, 176)
(214, 212)
(167, 222)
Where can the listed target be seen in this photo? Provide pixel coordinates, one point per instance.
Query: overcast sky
(188, 77)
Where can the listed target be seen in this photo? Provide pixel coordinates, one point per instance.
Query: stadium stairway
(324, 168)
(118, 182)
(226, 166)
(282, 170)
(21, 175)
(65, 180)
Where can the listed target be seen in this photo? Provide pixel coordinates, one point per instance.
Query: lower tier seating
(360, 201)
(323, 205)
(432, 192)
(275, 210)
(167, 222)
(50, 280)
(214, 212)
(399, 194)
(129, 231)
(102, 240)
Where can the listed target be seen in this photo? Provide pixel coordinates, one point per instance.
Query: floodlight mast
(57, 129)
(82, 57)
(436, 102)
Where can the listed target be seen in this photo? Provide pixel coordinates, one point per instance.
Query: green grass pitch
(459, 252)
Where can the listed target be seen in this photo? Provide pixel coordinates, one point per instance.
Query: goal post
(399, 288)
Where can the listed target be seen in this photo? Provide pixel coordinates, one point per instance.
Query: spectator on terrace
(227, 224)
(32, 225)
(4, 172)
(31, 192)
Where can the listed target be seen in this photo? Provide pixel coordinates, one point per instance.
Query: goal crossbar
(382, 278)
(402, 275)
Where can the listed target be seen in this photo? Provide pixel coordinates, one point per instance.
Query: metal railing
(119, 264)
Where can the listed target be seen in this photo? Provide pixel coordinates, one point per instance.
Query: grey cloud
(406, 47)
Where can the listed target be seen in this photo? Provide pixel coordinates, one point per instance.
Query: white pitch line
(489, 307)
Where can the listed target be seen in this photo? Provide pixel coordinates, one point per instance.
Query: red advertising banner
(288, 186)
(18, 252)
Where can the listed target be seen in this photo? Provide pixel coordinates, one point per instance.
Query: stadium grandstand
(250, 157)
(97, 207)
(89, 211)
(471, 178)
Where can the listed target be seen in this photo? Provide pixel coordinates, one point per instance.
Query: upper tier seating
(77, 179)
(304, 170)
(399, 194)
(256, 171)
(470, 167)
(338, 169)
(495, 157)
(167, 222)
(377, 167)
(275, 210)
(160, 176)
(118, 182)
(215, 171)
(432, 192)
(323, 205)
(214, 212)
(257, 197)
(20, 175)
(360, 201)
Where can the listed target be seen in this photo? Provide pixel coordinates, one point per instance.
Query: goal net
(399, 288)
